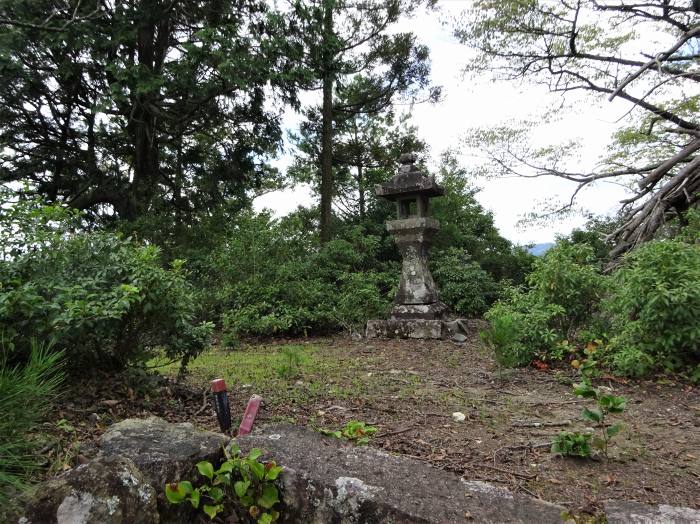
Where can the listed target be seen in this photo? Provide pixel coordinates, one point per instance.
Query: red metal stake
(251, 411)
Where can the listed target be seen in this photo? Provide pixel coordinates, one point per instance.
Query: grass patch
(281, 373)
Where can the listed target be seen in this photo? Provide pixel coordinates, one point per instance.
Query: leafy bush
(521, 329)
(655, 309)
(275, 279)
(568, 276)
(565, 290)
(27, 392)
(468, 289)
(105, 300)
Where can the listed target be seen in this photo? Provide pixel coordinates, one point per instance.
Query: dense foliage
(103, 299)
(275, 278)
(640, 319)
(655, 309)
(126, 108)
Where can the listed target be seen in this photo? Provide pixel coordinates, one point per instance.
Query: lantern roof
(409, 181)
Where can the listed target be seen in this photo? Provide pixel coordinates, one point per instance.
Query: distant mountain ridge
(540, 249)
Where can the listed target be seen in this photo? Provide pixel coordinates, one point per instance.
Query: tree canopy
(645, 53)
(140, 106)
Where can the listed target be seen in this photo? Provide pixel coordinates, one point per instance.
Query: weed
(245, 483)
(291, 362)
(355, 431)
(579, 444)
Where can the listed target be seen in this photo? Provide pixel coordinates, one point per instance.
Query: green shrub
(27, 392)
(521, 329)
(106, 301)
(468, 289)
(275, 279)
(568, 276)
(565, 289)
(655, 309)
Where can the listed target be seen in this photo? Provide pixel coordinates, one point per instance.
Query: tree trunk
(142, 122)
(327, 128)
(361, 190)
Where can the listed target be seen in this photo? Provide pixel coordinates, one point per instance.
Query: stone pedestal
(417, 296)
(417, 311)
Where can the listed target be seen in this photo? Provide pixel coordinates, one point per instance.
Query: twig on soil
(529, 446)
(205, 402)
(523, 488)
(533, 424)
(505, 471)
(397, 432)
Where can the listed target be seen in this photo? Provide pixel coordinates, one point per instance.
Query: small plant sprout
(241, 484)
(355, 431)
(579, 444)
(291, 360)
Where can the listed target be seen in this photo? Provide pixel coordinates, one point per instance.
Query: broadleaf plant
(578, 444)
(355, 430)
(241, 484)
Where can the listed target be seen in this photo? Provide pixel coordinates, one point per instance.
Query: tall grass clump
(27, 393)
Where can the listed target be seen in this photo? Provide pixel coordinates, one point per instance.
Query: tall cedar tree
(344, 38)
(121, 108)
(365, 149)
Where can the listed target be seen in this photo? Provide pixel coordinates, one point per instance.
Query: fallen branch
(205, 402)
(505, 471)
(533, 424)
(397, 432)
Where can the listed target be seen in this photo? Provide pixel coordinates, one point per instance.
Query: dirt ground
(409, 390)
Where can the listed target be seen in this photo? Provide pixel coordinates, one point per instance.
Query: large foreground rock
(326, 481)
(125, 483)
(626, 512)
(164, 452)
(105, 491)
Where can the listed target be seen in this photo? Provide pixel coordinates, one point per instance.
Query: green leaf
(592, 414)
(613, 430)
(257, 469)
(194, 498)
(269, 497)
(176, 493)
(241, 487)
(226, 467)
(206, 469)
(265, 518)
(273, 472)
(217, 494)
(585, 390)
(254, 454)
(212, 511)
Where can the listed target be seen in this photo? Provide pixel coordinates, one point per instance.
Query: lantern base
(405, 328)
(458, 330)
(434, 311)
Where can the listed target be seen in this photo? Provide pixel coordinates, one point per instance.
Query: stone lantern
(417, 310)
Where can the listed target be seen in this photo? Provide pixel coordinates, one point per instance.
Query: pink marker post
(251, 411)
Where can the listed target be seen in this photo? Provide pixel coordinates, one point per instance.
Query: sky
(479, 102)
